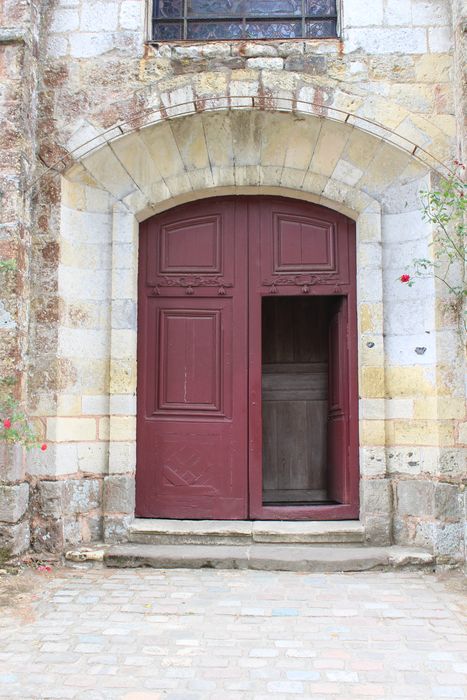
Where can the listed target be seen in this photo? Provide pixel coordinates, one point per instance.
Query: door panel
(205, 389)
(192, 371)
(301, 250)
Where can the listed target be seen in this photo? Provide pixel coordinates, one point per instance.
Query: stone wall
(395, 66)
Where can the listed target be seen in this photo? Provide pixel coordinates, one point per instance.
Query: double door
(246, 362)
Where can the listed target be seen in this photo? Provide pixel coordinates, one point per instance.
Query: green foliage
(445, 208)
(14, 425)
(8, 265)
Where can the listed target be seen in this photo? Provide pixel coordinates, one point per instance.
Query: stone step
(152, 531)
(266, 557)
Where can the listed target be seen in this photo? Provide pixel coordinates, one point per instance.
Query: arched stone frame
(118, 175)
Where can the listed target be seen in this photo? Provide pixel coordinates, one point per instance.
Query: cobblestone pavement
(183, 635)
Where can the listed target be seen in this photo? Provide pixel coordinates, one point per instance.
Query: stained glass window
(204, 20)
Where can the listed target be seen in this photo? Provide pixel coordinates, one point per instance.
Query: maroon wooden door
(205, 270)
(192, 363)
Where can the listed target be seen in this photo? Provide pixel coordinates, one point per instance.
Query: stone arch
(132, 176)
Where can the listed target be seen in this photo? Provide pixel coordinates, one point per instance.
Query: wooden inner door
(295, 399)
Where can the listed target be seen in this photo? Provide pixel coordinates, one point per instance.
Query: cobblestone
(100, 634)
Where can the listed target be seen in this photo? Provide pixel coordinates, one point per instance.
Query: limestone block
(122, 457)
(131, 14)
(77, 284)
(81, 496)
(440, 39)
(123, 404)
(378, 530)
(218, 136)
(70, 429)
(123, 343)
(409, 381)
(449, 541)
(12, 462)
(50, 498)
(104, 428)
(409, 350)
(358, 13)
(138, 160)
(409, 461)
(376, 496)
(119, 494)
(405, 40)
(399, 408)
(372, 409)
(116, 528)
(434, 68)
(15, 538)
(241, 91)
(122, 428)
(87, 45)
(301, 144)
(398, 12)
(462, 434)
(372, 382)
(124, 314)
(331, 142)
(452, 463)
(93, 457)
(57, 46)
(107, 170)
(415, 498)
(372, 432)
(123, 377)
(423, 432)
(98, 16)
(64, 20)
(439, 407)
(265, 63)
(347, 173)
(447, 501)
(84, 343)
(14, 501)
(372, 461)
(57, 460)
(95, 405)
(430, 12)
(178, 101)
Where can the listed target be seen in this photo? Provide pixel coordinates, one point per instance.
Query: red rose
(7, 423)
(404, 278)
(43, 447)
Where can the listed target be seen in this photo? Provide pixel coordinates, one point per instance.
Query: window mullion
(185, 19)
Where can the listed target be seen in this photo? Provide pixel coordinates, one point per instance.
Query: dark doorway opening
(295, 381)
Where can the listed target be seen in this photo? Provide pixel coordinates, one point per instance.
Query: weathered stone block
(12, 462)
(81, 496)
(116, 527)
(49, 498)
(376, 496)
(447, 501)
(314, 65)
(378, 529)
(449, 540)
(119, 494)
(14, 502)
(415, 498)
(15, 538)
(265, 63)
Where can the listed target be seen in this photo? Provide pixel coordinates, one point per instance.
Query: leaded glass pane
(168, 8)
(205, 31)
(163, 31)
(320, 8)
(273, 30)
(215, 8)
(318, 30)
(273, 8)
(204, 20)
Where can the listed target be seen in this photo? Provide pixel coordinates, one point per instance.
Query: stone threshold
(236, 532)
(267, 557)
